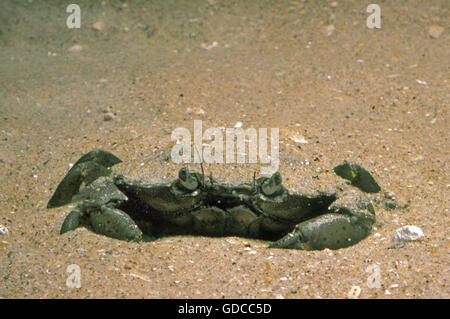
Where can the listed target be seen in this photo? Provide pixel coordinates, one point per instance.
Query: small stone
(108, 117)
(195, 110)
(209, 47)
(3, 230)
(238, 125)
(329, 29)
(99, 25)
(354, 292)
(75, 48)
(299, 139)
(418, 158)
(421, 82)
(408, 233)
(435, 31)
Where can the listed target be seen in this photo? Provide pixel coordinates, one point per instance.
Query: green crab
(113, 205)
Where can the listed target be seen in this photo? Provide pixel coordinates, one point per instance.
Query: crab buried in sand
(192, 204)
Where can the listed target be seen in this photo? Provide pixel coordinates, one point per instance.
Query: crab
(113, 205)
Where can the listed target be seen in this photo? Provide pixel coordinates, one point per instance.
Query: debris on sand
(354, 292)
(211, 46)
(99, 25)
(75, 48)
(408, 233)
(329, 29)
(435, 31)
(3, 230)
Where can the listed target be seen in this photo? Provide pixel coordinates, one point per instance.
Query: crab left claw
(86, 170)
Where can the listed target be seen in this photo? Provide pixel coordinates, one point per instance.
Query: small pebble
(435, 31)
(299, 139)
(329, 29)
(421, 82)
(99, 25)
(75, 48)
(238, 125)
(418, 158)
(108, 116)
(408, 233)
(209, 47)
(3, 230)
(354, 292)
(195, 110)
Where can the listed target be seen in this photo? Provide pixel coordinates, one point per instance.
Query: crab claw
(348, 221)
(100, 157)
(71, 222)
(332, 231)
(115, 223)
(87, 169)
(111, 222)
(358, 176)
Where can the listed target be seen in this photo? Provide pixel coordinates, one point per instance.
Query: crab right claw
(111, 222)
(99, 209)
(332, 231)
(348, 221)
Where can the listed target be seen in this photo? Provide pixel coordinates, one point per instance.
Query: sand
(136, 70)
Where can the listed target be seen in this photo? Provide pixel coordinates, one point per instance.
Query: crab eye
(272, 186)
(187, 180)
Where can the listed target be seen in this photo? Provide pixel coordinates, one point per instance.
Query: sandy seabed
(136, 70)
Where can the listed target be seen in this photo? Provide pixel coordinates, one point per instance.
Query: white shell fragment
(354, 292)
(408, 233)
(3, 230)
(75, 48)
